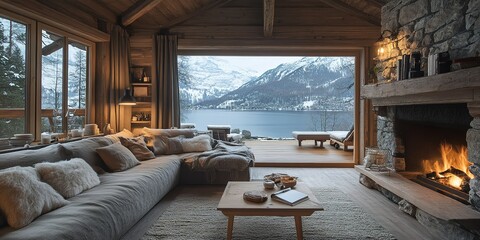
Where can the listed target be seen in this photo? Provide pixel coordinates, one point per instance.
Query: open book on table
(289, 196)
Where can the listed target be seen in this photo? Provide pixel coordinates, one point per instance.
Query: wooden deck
(287, 153)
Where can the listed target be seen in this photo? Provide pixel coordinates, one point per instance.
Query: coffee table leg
(230, 227)
(298, 226)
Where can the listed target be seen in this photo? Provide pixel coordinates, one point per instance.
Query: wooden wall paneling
(200, 11)
(375, 20)
(235, 16)
(40, 12)
(99, 9)
(231, 32)
(370, 7)
(268, 17)
(71, 10)
(332, 32)
(268, 44)
(326, 16)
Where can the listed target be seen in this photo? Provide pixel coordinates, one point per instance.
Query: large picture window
(13, 45)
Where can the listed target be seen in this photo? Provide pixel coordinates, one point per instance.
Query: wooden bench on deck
(311, 135)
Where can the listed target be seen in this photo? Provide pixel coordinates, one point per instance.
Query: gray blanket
(225, 156)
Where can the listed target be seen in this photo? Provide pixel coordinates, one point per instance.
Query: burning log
(452, 177)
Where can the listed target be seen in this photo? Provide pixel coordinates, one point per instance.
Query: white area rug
(192, 216)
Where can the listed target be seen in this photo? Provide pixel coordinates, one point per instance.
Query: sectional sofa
(110, 209)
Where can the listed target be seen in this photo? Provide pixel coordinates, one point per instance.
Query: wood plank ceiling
(240, 24)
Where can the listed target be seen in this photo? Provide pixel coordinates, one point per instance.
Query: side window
(52, 82)
(64, 83)
(77, 84)
(13, 39)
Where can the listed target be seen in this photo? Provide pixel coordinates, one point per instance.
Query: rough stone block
(450, 30)
(474, 200)
(444, 228)
(396, 199)
(473, 145)
(475, 123)
(436, 22)
(413, 12)
(460, 40)
(438, 48)
(475, 170)
(436, 5)
(407, 207)
(366, 181)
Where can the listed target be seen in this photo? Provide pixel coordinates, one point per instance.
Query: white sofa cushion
(23, 197)
(69, 178)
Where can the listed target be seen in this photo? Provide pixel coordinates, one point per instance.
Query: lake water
(277, 124)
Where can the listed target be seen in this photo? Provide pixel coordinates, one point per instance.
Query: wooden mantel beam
(137, 10)
(339, 5)
(268, 16)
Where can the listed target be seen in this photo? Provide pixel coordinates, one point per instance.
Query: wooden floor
(386, 213)
(287, 153)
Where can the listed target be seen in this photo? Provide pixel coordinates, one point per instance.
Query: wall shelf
(140, 122)
(142, 91)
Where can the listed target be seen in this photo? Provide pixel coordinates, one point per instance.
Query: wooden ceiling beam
(339, 5)
(137, 10)
(268, 16)
(176, 21)
(99, 9)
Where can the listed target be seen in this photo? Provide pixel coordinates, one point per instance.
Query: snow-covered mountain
(311, 83)
(204, 78)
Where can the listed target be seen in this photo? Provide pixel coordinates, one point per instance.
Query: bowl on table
(289, 181)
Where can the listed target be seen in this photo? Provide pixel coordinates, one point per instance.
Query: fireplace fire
(449, 174)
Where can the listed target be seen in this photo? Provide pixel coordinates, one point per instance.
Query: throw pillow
(116, 137)
(23, 197)
(68, 178)
(138, 147)
(86, 150)
(164, 146)
(199, 143)
(117, 157)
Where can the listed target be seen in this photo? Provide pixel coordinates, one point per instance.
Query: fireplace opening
(434, 140)
(448, 174)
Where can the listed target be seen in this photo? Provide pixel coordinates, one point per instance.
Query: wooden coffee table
(232, 204)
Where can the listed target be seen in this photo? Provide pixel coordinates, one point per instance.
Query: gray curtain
(119, 75)
(168, 102)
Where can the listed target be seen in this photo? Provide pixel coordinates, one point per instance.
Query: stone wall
(387, 137)
(428, 27)
(473, 145)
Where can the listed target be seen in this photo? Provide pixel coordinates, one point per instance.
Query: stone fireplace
(420, 119)
(431, 139)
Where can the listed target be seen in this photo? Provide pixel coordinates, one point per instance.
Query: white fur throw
(199, 143)
(23, 197)
(69, 178)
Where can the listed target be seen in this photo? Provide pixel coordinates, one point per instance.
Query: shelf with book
(141, 82)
